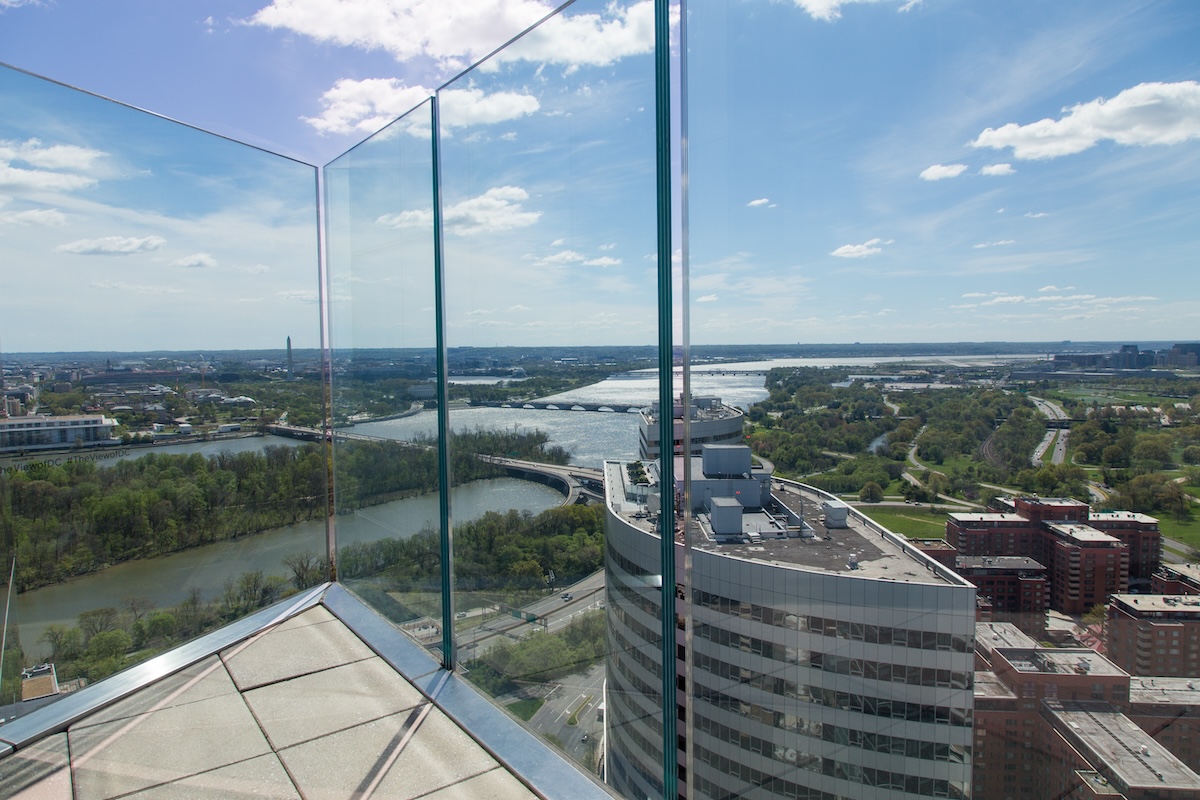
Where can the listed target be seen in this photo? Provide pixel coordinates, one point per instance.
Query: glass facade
(409, 390)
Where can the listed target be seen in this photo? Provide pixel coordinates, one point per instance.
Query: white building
(19, 434)
(823, 661)
(711, 423)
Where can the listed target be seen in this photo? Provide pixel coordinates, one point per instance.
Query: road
(570, 716)
(1051, 411)
(553, 614)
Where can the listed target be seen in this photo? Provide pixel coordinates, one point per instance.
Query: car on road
(566, 596)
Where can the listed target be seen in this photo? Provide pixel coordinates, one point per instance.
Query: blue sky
(860, 171)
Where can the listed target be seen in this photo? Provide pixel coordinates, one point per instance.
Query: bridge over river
(563, 405)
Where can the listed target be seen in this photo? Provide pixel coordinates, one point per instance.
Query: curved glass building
(826, 654)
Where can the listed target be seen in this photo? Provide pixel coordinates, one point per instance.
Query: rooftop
(1128, 753)
(1169, 691)
(1059, 661)
(991, 635)
(1179, 604)
(880, 554)
(1084, 534)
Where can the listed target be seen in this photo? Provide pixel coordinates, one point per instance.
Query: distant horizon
(982, 348)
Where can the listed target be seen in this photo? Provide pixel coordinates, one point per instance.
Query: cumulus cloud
(939, 172)
(1000, 243)
(196, 260)
(708, 298)
(1036, 214)
(1146, 114)
(867, 248)
(997, 169)
(113, 245)
(602, 261)
(1052, 288)
(762, 201)
(830, 10)
(561, 258)
(372, 103)
(497, 209)
(47, 217)
(456, 34)
(32, 165)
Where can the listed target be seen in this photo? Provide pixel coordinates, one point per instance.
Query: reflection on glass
(549, 234)
(381, 276)
(158, 314)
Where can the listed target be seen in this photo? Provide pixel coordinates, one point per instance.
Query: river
(167, 580)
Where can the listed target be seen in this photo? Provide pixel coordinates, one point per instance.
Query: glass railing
(523, 395)
(158, 316)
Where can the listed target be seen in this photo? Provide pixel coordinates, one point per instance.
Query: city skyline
(1030, 176)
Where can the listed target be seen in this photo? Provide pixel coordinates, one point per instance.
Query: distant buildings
(826, 661)
(1087, 555)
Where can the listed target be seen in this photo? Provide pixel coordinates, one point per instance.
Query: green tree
(871, 492)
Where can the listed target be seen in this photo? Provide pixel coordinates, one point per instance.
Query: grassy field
(913, 521)
(1186, 532)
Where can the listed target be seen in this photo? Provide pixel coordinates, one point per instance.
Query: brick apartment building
(1087, 555)
(1016, 588)
(1154, 634)
(1176, 579)
(1067, 722)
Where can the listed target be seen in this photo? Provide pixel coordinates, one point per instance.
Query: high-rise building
(823, 659)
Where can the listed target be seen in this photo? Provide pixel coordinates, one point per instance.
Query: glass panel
(548, 197)
(982, 206)
(379, 200)
(158, 313)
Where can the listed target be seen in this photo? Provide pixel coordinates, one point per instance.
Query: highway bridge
(547, 405)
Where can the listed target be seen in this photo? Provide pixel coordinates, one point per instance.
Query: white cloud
(372, 103)
(602, 261)
(255, 269)
(762, 201)
(120, 286)
(196, 260)
(708, 298)
(997, 169)
(561, 258)
(33, 166)
(113, 245)
(457, 34)
(306, 296)
(610, 246)
(939, 172)
(497, 209)
(34, 216)
(1036, 214)
(868, 248)
(1005, 299)
(1053, 288)
(829, 10)
(1146, 114)
(1000, 243)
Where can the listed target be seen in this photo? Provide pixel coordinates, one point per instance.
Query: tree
(871, 492)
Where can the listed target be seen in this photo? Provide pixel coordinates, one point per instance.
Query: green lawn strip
(915, 522)
(525, 709)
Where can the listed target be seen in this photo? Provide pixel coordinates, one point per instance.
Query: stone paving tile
(166, 745)
(320, 703)
(37, 772)
(261, 778)
(309, 642)
(436, 756)
(201, 681)
(496, 784)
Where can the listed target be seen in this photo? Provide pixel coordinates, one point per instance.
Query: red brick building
(1088, 556)
(1154, 634)
(1067, 722)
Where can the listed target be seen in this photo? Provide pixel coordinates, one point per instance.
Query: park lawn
(1186, 532)
(914, 522)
